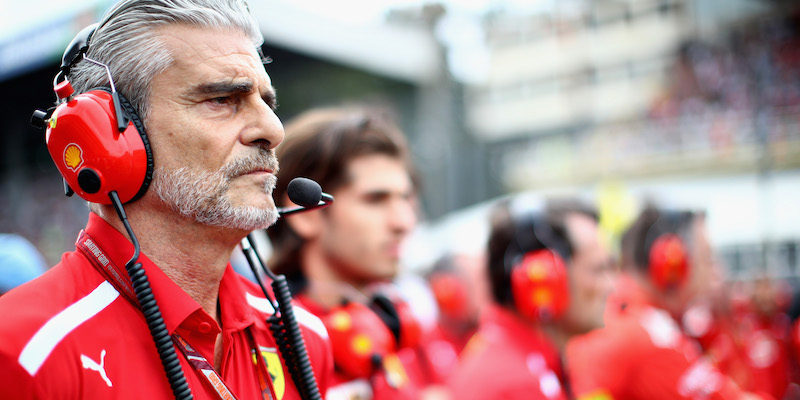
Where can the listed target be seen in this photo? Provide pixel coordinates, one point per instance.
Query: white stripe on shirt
(60, 325)
(303, 316)
(310, 320)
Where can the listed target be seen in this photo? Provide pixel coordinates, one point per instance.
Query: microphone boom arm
(324, 202)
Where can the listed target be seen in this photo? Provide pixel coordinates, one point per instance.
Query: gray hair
(126, 41)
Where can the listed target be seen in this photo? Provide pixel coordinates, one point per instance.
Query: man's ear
(308, 225)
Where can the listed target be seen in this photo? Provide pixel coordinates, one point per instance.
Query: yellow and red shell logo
(73, 156)
(537, 271)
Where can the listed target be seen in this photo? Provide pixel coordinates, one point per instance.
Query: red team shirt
(509, 360)
(642, 353)
(72, 334)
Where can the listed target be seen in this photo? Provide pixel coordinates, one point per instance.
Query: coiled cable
(152, 313)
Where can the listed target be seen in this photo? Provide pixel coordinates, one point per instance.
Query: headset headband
(77, 47)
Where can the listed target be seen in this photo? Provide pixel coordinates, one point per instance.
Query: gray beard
(202, 195)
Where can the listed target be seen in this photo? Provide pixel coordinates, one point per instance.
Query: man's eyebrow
(223, 87)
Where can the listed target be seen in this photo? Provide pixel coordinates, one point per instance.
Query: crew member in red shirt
(642, 353)
(550, 277)
(766, 337)
(185, 324)
(341, 260)
(459, 286)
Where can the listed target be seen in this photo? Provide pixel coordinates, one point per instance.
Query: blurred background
(687, 102)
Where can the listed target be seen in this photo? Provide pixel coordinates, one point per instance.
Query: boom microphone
(307, 194)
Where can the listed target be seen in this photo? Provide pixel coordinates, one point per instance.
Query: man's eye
(220, 100)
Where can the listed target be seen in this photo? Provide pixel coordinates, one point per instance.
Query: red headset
(363, 335)
(359, 339)
(96, 139)
(668, 262)
(540, 285)
(538, 278)
(450, 292)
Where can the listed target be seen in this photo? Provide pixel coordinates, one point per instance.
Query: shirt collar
(233, 303)
(175, 304)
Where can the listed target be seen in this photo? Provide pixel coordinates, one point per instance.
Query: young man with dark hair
(340, 258)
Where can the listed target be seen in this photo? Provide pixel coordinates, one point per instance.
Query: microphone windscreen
(304, 192)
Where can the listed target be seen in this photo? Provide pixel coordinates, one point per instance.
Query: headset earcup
(92, 155)
(359, 339)
(668, 262)
(451, 294)
(137, 122)
(540, 285)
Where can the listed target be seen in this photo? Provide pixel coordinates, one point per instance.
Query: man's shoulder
(50, 294)
(255, 298)
(43, 312)
(50, 322)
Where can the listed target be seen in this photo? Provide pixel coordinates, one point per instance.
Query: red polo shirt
(508, 359)
(642, 353)
(71, 334)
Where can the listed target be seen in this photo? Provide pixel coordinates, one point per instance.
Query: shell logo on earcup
(537, 270)
(93, 155)
(73, 156)
(361, 344)
(542, 297)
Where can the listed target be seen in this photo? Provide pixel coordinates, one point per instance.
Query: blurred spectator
(20, 261)
(550, 276)
(459, 286)
(668, 262)
(765, 331)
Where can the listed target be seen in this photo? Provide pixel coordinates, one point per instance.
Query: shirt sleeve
(15, 382)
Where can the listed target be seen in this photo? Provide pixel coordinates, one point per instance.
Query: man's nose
(264, 128)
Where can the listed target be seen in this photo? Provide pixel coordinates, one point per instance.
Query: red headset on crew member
(550, 275)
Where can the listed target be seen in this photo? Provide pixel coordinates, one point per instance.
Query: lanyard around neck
(120, 280)
(206, 370)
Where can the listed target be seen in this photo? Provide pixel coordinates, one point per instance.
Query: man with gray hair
(199, 181)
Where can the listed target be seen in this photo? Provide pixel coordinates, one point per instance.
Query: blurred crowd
(730, 102)
(743, 90)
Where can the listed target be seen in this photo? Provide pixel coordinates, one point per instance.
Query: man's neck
(558, 337)
(325, 286)
(193, 255)
(671, 302)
